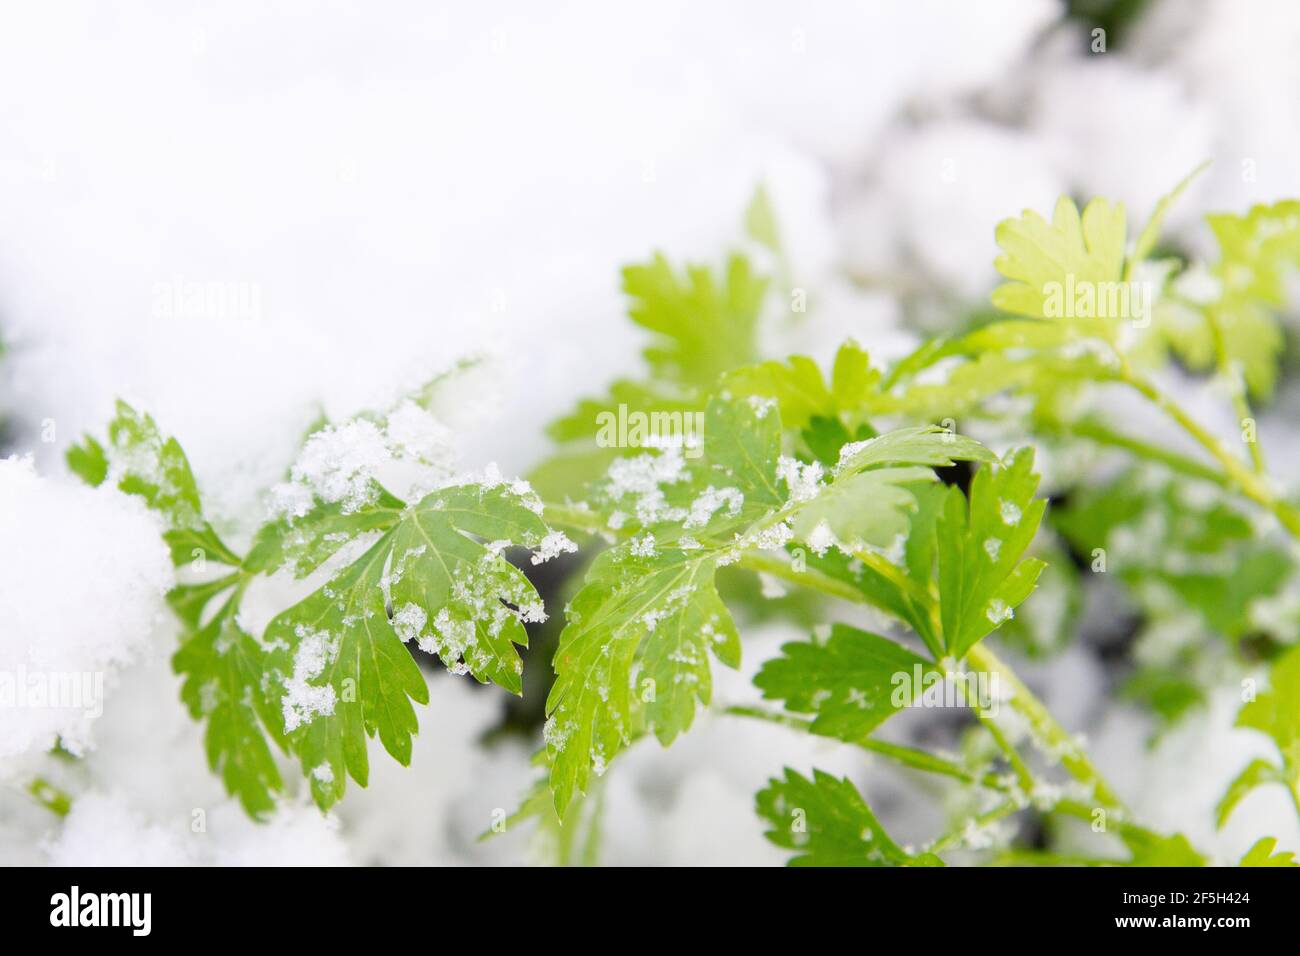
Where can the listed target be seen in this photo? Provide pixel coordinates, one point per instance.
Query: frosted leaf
(821, 539)
(1010, 512)
(675, 601)
(452, 639)
(303, 701)
(555, 733)
(527, 497)
(643, 546)
(804, 481)
(997, 612)
(337, 465)
(851, 451)
(553, 545)
(991, 547)
(409, 622)
(534, 612)
(290, 499)
(641, 478)
(772, 538)
(323, 772)
(709, 501)
(896, 553)
(209, 696)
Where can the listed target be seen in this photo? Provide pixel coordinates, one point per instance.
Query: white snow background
(397, 186)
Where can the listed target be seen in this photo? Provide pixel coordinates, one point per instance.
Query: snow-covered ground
(365, 193)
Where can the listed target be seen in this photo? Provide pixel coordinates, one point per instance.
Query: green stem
(1242, 406)
(911, 757)
(1253, 485)
(922, 760)
(955, 837)
(1102, 435)
(1023, 774)
(766, 563)
(1240, 403)
(1125, 829)
(1045, 726)
(1049, 732)
(895, 576)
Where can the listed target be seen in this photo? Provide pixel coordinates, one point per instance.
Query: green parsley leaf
(705, 325)
(1276, 712)
(339, 669)
(705, 322)
(760, 221)
(1158, 850)
(1262, 854)
(981, 577)
(144, 463)
(640, 630)
(827, 823)
(848, 682)
(1187, 535)
(223, 668)
(1256, 772)
(802, 392)
(1037, 255)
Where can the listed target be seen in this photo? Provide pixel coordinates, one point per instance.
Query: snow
(821, 539)
(997, 611)
(409, 621)
(851, 451)
(300, 238)
(553, 545)
(803, 480)
(337, 465)
(84, 572)
(302, 700)
(710, 501)
(105, 830)
(642, 478)
(416, 433)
